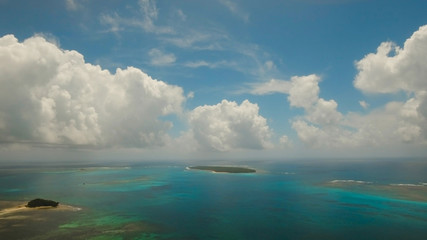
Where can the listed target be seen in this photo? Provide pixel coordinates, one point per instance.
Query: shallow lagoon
(285, 200)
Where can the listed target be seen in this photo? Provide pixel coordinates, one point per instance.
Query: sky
(219, 79)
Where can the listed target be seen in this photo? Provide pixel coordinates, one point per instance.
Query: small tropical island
(38, 202)
(223, 169)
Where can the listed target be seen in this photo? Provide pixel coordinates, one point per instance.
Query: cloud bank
(322, 125)
(391, 69)
(50, 95)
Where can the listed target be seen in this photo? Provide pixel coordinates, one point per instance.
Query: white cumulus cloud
(49, 95)
(302, 91)
(392, 68)
(228, 126)
(322, 123)
(324, 126)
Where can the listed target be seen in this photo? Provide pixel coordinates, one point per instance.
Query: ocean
(299, 199)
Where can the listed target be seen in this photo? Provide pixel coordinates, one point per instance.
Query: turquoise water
(289, 200)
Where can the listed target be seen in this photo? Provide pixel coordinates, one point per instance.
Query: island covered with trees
(223, 169)
(38, 202)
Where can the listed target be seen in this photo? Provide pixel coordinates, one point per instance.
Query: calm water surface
(285, 200)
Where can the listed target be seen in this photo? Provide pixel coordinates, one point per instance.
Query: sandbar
(23, 208)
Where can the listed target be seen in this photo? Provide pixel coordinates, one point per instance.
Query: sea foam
(349, 181)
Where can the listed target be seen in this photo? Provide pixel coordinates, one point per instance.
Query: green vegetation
(38, 202)
(224, 169)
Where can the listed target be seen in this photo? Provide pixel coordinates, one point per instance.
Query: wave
(103, 168)
(69, 208)
(409, 185)
(349, 181)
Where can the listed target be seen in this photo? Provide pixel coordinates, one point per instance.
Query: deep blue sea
(304, 199)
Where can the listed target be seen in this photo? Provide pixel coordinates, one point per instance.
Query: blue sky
(217, 79)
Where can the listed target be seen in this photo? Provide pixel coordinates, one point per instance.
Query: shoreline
(22, 208)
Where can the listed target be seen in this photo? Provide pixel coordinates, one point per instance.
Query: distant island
(38, 202)
(223, 169)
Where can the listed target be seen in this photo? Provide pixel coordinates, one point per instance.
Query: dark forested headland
(224, 169)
